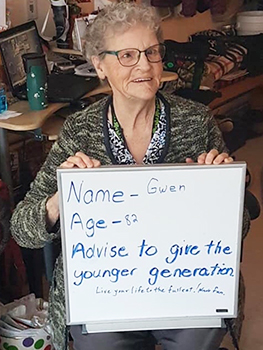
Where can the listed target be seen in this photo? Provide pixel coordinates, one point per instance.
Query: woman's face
(137, 82)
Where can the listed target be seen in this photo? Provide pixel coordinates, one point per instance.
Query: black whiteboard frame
(157, 323)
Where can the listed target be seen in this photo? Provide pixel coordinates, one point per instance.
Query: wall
(180, 28)
(19, 13)
(2, 13)
(177, 28)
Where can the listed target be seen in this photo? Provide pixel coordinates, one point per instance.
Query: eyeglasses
(130, 57)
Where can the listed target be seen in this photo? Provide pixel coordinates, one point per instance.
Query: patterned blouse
(121, 152)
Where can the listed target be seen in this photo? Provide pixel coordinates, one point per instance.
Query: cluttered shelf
(33, 119)
(42, 122)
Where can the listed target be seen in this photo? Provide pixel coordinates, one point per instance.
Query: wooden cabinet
(250, 89)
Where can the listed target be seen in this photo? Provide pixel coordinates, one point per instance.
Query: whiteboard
(151, 247)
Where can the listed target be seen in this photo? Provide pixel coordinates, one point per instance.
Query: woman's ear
(98, 67)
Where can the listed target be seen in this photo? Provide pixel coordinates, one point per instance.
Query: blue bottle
(3, 99)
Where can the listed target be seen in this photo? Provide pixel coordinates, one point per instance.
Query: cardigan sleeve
(214, 135)
(205, 132)
(28, 222)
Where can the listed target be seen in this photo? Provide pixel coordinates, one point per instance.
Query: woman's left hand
(212, 157)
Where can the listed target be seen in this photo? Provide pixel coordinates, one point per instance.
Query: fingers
(208, 158)
(80, 160)
(189, 160)
(228, 160)
(223, 158)
(202, 158)
(214, 157)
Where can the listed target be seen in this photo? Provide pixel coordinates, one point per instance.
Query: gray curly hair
(118, 18)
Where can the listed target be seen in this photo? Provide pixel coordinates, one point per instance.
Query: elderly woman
(136, 125)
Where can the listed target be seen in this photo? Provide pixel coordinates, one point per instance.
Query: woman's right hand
(79, 160)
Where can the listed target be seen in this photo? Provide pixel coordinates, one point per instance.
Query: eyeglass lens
(130, 57)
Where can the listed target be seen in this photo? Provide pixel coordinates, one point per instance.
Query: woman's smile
(142, 80)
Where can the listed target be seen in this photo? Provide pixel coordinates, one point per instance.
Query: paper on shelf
(9, 114)
(86, 70)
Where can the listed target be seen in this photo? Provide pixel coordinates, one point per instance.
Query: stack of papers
(9, 114)
(85, 70)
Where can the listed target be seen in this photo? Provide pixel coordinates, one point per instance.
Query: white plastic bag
(23, 325)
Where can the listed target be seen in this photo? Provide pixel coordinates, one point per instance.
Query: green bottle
(36, 80)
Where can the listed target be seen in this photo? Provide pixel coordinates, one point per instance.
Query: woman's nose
(143, 61)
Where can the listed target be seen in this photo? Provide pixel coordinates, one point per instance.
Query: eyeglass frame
(116, 53)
